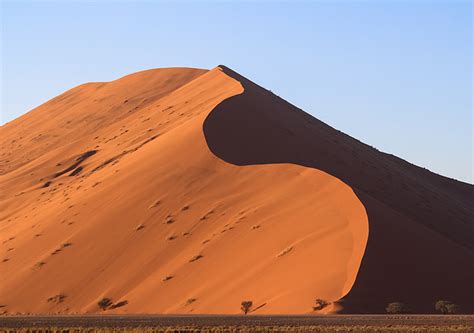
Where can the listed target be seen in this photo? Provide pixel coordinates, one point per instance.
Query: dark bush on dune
(320, 304)
(397, 308)
(104, 303)
(446, 307)
(245, 306)
(453, 308)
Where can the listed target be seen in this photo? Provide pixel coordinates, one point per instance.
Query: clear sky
(396, 75)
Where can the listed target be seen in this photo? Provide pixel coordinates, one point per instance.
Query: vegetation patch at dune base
(248, 329)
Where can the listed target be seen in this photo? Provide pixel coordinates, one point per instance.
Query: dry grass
(248, 329)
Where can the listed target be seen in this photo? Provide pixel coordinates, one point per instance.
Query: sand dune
(188, 191)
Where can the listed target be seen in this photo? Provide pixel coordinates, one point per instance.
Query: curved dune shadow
(257, 127)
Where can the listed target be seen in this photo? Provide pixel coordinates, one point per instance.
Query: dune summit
(189, 191)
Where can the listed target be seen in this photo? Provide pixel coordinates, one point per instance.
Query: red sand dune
(188, 191)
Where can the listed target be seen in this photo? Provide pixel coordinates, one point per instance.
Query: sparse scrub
(56, 299)
(397, 308)
(453, 308)
(245, 306)
(440, 306)
(255, 329)
(446, 307)
(104, 303)
(320, 304)
(40, 264)
(190, 301)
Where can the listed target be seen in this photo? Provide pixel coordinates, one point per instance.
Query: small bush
(40, 264)
(320, 304)
(190, 301)
(453, 308)
(397, 308)
(104, 303)
(440, 306)
(245, 306)
(56, 298)
(446, 307)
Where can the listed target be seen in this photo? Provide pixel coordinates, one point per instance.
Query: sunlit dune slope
(116, 190)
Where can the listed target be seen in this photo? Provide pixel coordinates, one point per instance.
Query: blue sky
(396, 75)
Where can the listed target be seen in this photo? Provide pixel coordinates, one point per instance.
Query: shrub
(396, 308)
(40, 264)
(453, 308)
(440, 306)
(190, 301)
(104, 303)
(56, 298)
(446, 307)
(245, 306)
(320, 304)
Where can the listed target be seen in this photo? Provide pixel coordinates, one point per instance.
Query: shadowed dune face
(138, 210)
(421, 224)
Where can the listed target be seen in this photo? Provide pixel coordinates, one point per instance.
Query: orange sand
(188, 191)
(152, 197)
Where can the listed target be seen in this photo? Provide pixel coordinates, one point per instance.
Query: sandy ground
(150, 323)
(188, 191)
